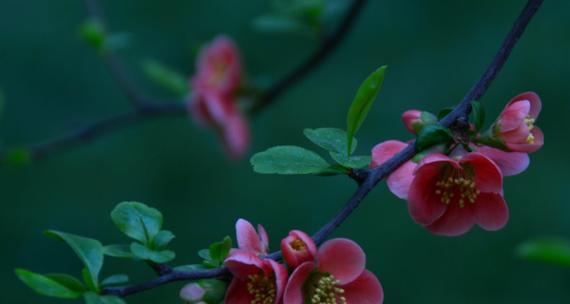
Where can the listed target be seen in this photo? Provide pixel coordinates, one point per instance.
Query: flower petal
(366, 289)
(510, 163)
(386, 150)
(263, 237)
(242, 263)
(488, 176)
(342, 258)
(529, 147)
(294, 290)
(491, 211)
(280, 273)
(533, 98)
(237, 293)
(247, 237)
(455, 221)
(236, 136)
(424, 205)
(513, 115)
(400, 180)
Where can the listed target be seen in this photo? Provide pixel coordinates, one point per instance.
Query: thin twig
(375, 175)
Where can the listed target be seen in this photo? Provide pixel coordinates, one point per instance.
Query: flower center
(298, 245)
(261, 288)
(458, 184)
(327, 290)
(530, 124)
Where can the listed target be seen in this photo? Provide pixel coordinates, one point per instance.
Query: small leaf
(431, 135)
(477, 115)
(220, 250)
(18, 157)
(205, 254)
(46, 286)
(144, 253)
(354, 161)
(443, 112)
(93, 33)
(115, 280)
(67, 281)
(362, 103)
(89, 251)
(93, 298)
(554, 251)
(137, 221)
(92, 283)
(163, 238)
(330, 139)
(288, 160)
(215, 290)
(118, 251)
(166, 77)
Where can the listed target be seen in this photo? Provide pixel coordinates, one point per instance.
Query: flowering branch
(146, 109)
(369, 178)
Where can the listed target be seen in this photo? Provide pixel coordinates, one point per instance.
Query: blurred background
(435, 50)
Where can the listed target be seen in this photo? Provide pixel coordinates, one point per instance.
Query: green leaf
(163, 238)
(431, 135)
(137, 221)
(205, 254)
(477, 115)
(288, 160)
(279, 24)
(215, 290)
(166, 77)
(18, 157)
(220, 250)
(67, 281)
(93, 33)
(118, 251)
(354, 161)
(115, 280)
(92, 283)
(93, 298)
(443, 112)
(45, 285)
(144, 253)
(89, 251)
(331, 139)
(554, 251)
(362, 103)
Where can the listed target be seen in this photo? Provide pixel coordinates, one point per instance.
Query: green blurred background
(435, 51)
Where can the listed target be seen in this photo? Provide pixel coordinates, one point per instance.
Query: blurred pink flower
(298, 248)
(336, 276)
(449, 196)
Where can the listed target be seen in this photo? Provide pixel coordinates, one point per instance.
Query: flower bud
(192, 293)
(415, 120)
(298, 248)
(204, 291)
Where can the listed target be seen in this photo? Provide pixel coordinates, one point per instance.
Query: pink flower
(298, 248)
(449, 196)
(213, 101)
(255, 280)
(412, 120)
(515, 126)
(337, 276)
(400, 180)
(256, 242)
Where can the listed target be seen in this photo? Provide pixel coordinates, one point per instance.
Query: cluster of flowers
(215, 88)
(333, 273)
(448, 193)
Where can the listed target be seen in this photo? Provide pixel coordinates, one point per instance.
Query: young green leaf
(288, 160)
(166, 77)
(46, 286)
(89, 251)
(330, 139)
(354, 161)
(137, 221)
(93, 298)
(554, 251)
(118, 251)
(93, 33)
(163, 238)
(67, 281)
(144, 253)
(362, 103)
(115, 280)
(219, 251)
(431, 135)
(477, 115)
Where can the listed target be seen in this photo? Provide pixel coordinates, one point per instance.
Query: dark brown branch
(377, 174)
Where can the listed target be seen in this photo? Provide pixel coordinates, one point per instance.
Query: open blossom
(400, 180)
(515, 126)
(256, 242)
(337, 275)
(448, 196)
(213, 101)
(298, 248)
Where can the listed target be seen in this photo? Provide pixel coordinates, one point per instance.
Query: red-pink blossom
(515, 126)
(255, 280)
(336, 276)
(399, 181)
(297, 248)
(219, 67)
(250, 240)
(448, 196)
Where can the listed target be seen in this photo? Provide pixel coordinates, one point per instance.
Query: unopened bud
(415, 120)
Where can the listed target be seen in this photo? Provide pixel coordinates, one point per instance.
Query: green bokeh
(435, 51)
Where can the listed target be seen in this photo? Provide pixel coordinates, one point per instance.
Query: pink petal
(491, 211)
(488, 177)
(438, 158)
(236, 136)
(237, 293)
(294, 290)
(514, 114)
(366, 289)
(263, 237)
(342, 258)
(533, 98)
(400, 180)
(510, 163)
(247, 237)
(455, 221)
(281, 274)
(526, 147)
(411, 117)
(424, 205)
(243, 263)
(386, 150)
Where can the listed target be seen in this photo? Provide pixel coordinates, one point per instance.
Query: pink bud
(413, 120)
(298, 248)
(192, 293)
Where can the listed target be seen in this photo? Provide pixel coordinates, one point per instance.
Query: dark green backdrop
(435, 51)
